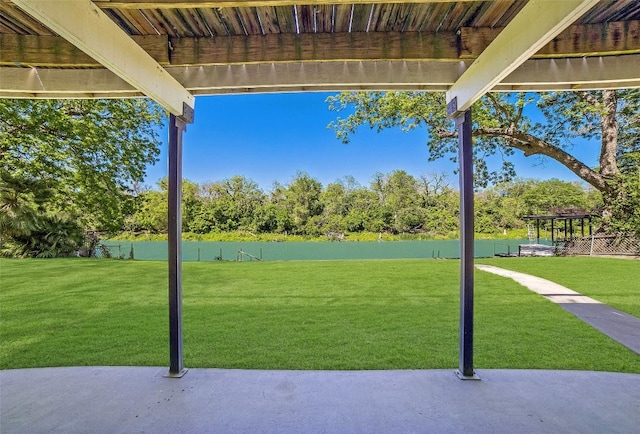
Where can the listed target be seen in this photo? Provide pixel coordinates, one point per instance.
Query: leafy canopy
(91, 153)
(502, 126)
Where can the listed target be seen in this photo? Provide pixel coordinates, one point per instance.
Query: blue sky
(268, 137)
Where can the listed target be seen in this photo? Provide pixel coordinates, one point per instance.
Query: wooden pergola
(567, 217)
(173, 50)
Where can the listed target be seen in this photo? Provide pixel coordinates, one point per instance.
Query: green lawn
(399, 314)
(615, 282)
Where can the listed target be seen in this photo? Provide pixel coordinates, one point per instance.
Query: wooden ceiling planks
(382, 17)
(249, 21)
(497, 14)
(612, 10)
(341, 16)
(306, 17)
(13, 20)
(324, 18)
(360, 17)
(213, 22)
(286, 21)
(303, 19)
(400, 16)
(433, 21)
(417, 17)
(198, 27)
(230, 21)
(269, 19)
(140, 22)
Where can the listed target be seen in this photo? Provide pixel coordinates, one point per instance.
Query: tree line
(72, 166)
(396, 202)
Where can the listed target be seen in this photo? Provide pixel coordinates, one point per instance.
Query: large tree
(502, 127)
(90, 153)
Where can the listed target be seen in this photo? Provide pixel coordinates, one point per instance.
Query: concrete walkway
(140, 400)
(616, 324)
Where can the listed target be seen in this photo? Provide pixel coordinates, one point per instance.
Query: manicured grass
(615, 282)
(400, 314)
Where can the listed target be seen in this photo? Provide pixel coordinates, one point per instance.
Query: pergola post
(465, 156)
(176, 127)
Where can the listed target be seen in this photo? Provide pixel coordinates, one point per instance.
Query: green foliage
(410, 110)
(302, 199)
(91, 153)
(625, 209)
(27, 228)
(52, 237)
(151, 213)
(22, 202)
(394, 204)
(501, 127)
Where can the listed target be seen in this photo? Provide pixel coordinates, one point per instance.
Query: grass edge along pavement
(609, 280)
(375, 314)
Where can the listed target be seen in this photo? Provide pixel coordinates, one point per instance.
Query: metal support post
(570, 228)
(176, 127)
(463, 125)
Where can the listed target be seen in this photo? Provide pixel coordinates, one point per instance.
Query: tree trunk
(608, 157)
(609, 148)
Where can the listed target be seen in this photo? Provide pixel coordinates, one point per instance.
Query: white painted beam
(92, 31)
(536, 25)
(610, 72)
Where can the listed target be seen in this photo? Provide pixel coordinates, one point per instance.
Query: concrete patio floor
(141, 400)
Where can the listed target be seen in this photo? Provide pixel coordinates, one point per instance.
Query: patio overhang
(172, 50)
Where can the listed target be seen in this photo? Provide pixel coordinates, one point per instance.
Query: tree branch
(532, 145)
(589, 98)
(500, 108)
(519, 114)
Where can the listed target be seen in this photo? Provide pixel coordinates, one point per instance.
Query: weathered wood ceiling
(223, 46)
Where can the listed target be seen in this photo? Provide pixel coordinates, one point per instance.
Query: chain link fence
(274, 251)
(615, 245)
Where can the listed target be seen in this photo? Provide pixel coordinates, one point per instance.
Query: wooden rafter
(616, 38)
(579, 40)
(57, 52)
